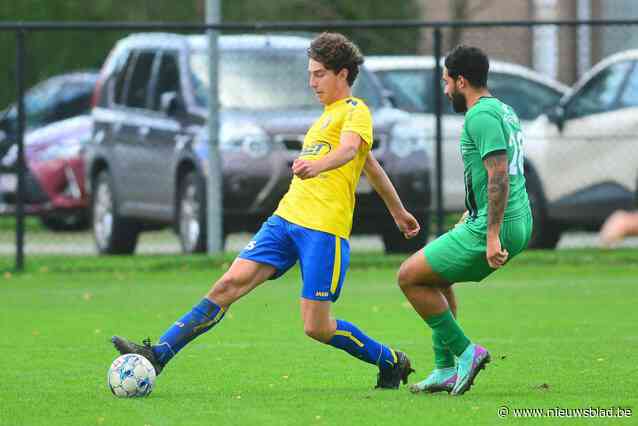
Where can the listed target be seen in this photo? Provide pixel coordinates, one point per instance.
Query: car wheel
(191, 214)
(545, 233)
(78, 221)
(394, 241)
(113, 234)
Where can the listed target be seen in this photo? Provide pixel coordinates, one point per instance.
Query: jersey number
(516, 142)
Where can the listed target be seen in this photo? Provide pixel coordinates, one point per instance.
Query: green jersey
(490, 125)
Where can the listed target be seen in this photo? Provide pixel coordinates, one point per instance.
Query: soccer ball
(130, 376)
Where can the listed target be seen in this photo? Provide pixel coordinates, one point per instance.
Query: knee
(226, 290)
(318, 333)
(405, 277)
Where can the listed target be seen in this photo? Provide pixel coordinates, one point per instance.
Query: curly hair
(336, 52)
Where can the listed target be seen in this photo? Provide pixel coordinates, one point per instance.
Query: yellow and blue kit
(313, 221)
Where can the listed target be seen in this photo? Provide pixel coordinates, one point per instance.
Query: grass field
(561, 327)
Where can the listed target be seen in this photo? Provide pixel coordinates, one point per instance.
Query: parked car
(54, 179)
(57, 98)
(582, 156)
(410, 80)
(52, 171)
(147, 163)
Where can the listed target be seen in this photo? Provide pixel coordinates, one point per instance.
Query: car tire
(191, 214)
(78, 221)
(545, 233)
(395, 242)
(113, 233)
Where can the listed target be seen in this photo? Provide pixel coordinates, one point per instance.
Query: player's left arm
(382, 184)
(497, 194)
(349, 144)
(486, 130)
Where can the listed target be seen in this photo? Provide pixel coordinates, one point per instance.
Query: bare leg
(423, 287)
(242, 277)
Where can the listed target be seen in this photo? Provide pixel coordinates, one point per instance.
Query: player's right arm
(381, 183)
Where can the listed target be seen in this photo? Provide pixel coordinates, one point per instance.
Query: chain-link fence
(150, 105)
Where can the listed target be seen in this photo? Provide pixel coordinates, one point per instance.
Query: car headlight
(249, 139)
(255, 146)
(408, 139)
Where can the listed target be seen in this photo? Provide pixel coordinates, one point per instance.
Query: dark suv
(147, 163)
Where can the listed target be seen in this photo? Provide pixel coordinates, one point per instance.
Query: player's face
(324, 82)
(453, 92)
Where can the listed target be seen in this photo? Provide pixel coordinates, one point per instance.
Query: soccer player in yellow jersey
(312, 224)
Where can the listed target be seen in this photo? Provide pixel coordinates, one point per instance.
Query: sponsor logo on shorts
(322, 294)
(251, 245)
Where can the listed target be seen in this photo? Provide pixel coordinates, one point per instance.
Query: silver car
(583, 154)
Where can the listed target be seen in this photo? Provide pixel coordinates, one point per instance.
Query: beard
(459, 102)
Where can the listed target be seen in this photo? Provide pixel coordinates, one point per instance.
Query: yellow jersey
(326, 202)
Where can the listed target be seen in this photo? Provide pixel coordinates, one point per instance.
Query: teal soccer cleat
(439, 380)
(470, 363)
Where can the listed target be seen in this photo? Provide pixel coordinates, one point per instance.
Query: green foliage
(51, 53)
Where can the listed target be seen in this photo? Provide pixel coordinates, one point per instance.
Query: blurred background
(580, 119)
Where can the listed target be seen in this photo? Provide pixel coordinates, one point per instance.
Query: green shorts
(459, 254)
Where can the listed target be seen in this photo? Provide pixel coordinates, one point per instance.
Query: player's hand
(305, 169)
(407, 224)
(496, 255)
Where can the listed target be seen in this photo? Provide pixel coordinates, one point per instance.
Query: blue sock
(352, 340)
(199, 320)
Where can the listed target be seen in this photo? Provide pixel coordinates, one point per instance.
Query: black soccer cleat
(390, 378)
(124, 347)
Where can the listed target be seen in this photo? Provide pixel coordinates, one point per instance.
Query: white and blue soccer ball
(130, 376)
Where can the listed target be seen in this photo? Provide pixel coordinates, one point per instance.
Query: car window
(124, 70)
(167, 77)
(39, 103)
(629, 97)
(600, 93)
(264, 79)
(74, 99)
(412, 89)
(528, 98)
(367, 90)
(139, 80)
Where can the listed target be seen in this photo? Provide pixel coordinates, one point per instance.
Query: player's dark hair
(335, 52)
(470, 62)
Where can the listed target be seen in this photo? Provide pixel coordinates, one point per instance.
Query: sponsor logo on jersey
(313, 149)
(326, 122)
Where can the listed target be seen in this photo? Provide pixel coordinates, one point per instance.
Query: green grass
(561, 327)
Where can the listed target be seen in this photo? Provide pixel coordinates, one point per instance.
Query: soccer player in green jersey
(496, 226)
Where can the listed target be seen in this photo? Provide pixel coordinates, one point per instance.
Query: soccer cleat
(470, 363)
(390, 378)
(124, 346)
(439, 380)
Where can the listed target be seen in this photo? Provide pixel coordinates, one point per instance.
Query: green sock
(443, 356)
(447, 330)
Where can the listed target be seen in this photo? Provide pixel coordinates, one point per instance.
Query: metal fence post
(215, 209)
(436, 86)
(20, 70)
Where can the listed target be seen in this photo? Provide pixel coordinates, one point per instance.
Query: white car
(582, 156)
(410, 82)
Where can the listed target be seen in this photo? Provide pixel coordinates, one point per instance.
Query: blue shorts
(324, 258)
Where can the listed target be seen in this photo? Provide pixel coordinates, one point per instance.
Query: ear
(343, 74)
